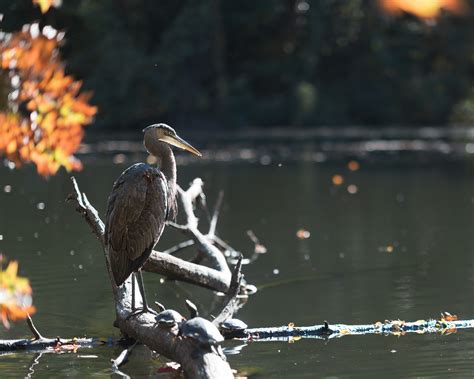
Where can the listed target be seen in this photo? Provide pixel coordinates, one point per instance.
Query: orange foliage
(15, 295)
(424, 8)
(49, 128)
(46, 4)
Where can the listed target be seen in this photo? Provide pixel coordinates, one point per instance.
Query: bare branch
(212, 253)
(215, 215)
(231, 297)
(225, 246)
(88, 211)
(39, 342)
(388, 327)
(90, 214)
(179, 269)
(43, 343)
(195, 189)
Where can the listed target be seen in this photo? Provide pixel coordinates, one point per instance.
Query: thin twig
(33, 329)
(180, 246)
(215, 215)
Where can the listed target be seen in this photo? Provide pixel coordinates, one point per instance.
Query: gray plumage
(136, 216)
(141, 201)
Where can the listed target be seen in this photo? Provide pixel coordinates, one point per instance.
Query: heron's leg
(142, 291)
(133, 292)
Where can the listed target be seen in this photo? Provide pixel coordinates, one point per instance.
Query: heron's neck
(167, 165)
(166, 162)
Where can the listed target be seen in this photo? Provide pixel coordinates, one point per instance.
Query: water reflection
(342, 273)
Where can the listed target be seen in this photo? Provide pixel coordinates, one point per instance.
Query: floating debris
(337, 180)
(353, 165)
(265, 160)
(119, 158)
(40, 206)
(276, 271)
(446, 316)
(352, 189)
(303, 234)
(7, 188)
(387, 249)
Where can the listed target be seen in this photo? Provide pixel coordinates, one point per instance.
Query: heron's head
(165, 133)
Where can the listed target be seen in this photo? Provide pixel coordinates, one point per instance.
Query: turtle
(168, 318)
(204, 332)
(232, 327)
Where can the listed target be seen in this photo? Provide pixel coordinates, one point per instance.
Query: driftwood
(327, 331)
(38, 342)
(197, 362)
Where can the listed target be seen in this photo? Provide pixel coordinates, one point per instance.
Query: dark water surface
(400, 247)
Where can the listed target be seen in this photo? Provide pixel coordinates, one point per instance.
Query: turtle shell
(201, 330)
(169, 317)
(233, 325)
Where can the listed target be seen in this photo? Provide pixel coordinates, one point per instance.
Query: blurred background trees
(225, 64)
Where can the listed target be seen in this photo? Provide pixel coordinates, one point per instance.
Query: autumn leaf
(446, 316)
(49, 130)
(15, 295)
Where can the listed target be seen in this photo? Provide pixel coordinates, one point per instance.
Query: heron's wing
(135, 218)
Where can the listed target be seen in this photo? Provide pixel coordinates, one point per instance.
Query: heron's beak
(181, 143)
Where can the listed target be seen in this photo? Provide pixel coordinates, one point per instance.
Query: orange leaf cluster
(46, 4)
(15, 295)
(49, 128)
(424, 8)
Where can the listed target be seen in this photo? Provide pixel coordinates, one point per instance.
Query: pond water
(399, 246)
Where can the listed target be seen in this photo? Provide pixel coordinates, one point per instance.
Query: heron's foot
(138, 311)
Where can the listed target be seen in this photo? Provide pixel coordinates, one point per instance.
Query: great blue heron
(141, 201)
